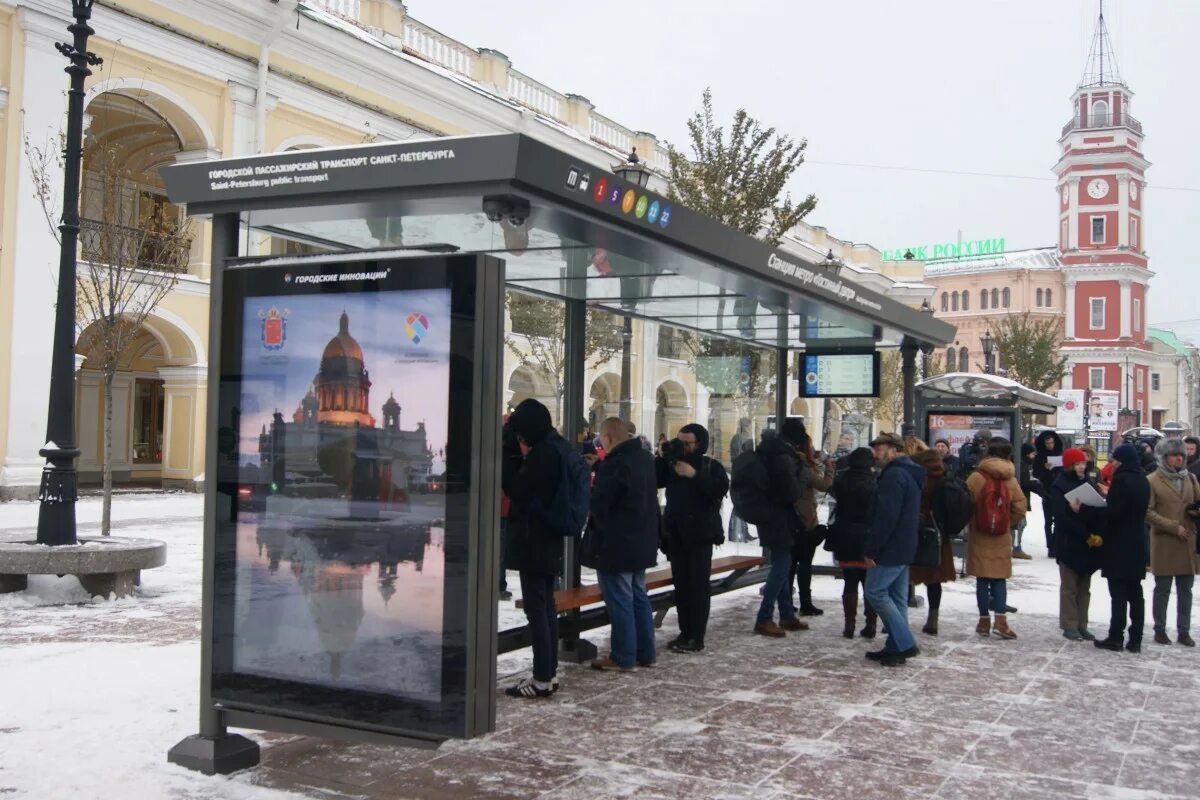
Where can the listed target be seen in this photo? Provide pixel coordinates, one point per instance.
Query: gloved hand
(1095, 540)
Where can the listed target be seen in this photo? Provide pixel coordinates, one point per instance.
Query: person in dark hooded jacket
(854, 491)
(1029, 487)
(1126, 549)
(1048, 445)
(785, 488)
(1079, 542)
(530, 473)
(696, 485)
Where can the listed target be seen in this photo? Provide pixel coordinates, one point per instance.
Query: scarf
(1175, 476)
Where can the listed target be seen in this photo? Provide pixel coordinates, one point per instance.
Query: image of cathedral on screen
(333, 447)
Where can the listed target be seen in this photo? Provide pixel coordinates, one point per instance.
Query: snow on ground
(93, 693)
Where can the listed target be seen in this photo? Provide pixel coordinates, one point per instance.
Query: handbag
(929, 545)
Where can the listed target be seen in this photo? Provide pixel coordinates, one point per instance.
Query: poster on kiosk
(343, 568)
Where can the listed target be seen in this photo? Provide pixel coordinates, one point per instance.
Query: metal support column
(908, 374)
(214, 750)
(782, 357)
(571, 647)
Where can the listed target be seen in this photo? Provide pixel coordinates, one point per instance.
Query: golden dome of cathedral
(343, 345)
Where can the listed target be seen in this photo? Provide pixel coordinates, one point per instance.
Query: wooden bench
(732, 569)
(580, 596)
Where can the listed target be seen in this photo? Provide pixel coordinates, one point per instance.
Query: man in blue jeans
(785, 486)
(621, 542)
(892, 544)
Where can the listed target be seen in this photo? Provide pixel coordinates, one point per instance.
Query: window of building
(995, 298)
(945, 301)
(983, 299)
(1100, 118)
(1040, 295)
(1049, 299)
(148, 406)
(1006, 297)
(966, 300)
(1098, 230)
(951, 360)
(964, 360)
(1137, 314)
(1096, 377)
(1097, 307)
(954, 301)
(1133, 233)
(1155, 381)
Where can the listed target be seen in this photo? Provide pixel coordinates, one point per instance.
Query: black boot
(868, 631)
(850, 609)
(931, 623)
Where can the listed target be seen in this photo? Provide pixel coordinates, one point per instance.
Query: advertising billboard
(960, 427)
(341, 587)
(1103, 408)
(1071, 412)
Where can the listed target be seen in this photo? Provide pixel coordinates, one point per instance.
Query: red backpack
(992, 508)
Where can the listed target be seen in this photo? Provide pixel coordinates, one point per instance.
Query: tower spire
(1101, 68)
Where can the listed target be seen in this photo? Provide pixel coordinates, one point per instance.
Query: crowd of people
(898, 506)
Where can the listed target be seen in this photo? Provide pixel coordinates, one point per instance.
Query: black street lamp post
(989, 349)
(637, 174)
(60, 482)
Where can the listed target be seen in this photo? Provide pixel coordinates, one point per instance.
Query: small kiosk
(355, 290)
(958, 405)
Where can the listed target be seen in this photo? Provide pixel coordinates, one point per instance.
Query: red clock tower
(1101, 191)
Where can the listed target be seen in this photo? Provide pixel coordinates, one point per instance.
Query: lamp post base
(227, 753)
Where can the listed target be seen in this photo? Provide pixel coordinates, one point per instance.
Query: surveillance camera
(513, 209)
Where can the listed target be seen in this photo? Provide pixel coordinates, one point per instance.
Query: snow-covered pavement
(93, 693)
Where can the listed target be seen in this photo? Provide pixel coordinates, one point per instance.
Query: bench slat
(567, 599)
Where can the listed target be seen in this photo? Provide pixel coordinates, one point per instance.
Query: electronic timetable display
(839, 375)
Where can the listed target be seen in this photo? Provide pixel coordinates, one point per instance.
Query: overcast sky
(954, 85)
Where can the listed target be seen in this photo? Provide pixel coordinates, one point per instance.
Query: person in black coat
(1126, 550)
(778, 534)
(1078, 529)
(1047, 445)
(1192, 450)
(1029, 486)
(621, 542)
(854, 490)
(530, 473)
(696, 485)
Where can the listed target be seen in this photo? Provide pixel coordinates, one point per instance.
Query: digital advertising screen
(839, 375)
(958, 428)
(339, 594)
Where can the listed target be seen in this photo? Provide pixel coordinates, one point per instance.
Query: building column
(1123, 211)
(34, 255)
(90, 414)
(184, 390)
(1069, 288)
(1126, 308)
(122, 425)
(1073, 214)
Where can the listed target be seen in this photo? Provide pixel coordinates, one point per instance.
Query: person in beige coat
(989, 557)
(1172, 539)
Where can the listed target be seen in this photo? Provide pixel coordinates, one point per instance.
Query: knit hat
(1074, 456)
(793, 430)
(1126, 454)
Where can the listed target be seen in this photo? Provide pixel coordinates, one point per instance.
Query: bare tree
(1029, 348)
(130, 259)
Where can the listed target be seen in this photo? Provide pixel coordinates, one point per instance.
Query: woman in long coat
(933, 577)
(853, 489)
(989, 556)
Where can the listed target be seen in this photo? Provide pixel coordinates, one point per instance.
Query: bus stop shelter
(958, 405)
(417, 243)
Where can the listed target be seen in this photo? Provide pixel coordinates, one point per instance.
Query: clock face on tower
(1097, 188)
(1133, 189)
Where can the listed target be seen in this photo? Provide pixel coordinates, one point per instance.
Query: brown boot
(769, 628)
(793, 624)
(984, 628)
(1001, 629)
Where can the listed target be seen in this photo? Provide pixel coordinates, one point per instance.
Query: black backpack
(749, 488)
(567, 514)
(952, 506)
